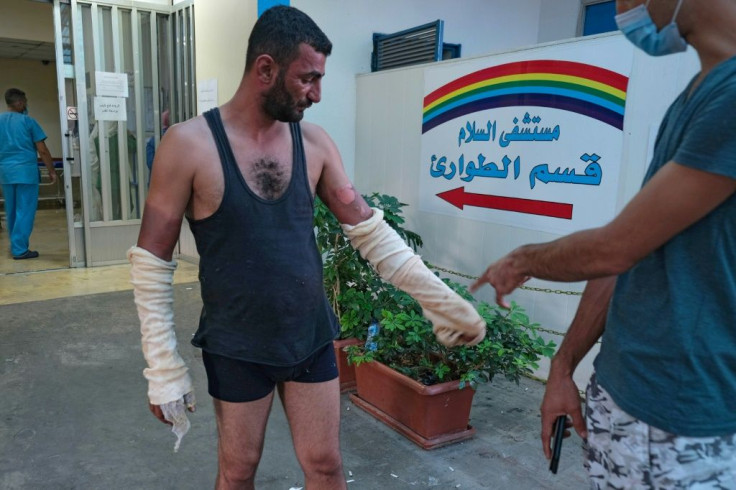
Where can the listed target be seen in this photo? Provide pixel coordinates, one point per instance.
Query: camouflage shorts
(623, 452)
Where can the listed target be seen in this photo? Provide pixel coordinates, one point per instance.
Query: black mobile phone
(557, 447)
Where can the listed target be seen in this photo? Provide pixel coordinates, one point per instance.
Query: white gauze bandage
(169, 384)
(454, 320)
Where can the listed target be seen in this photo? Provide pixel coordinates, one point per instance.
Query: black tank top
(259, 267)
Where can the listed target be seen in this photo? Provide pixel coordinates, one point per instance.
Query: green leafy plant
(354, 290)
(405, 342)
(512, 346)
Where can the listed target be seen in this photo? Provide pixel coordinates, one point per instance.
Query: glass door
(70, 175)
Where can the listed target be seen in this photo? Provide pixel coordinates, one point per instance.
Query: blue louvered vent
(419, 44)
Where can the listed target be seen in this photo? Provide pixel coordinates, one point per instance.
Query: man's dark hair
(278, 33)
(13, 95)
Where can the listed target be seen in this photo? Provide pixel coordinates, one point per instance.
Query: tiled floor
(49, 276)
(49, 238)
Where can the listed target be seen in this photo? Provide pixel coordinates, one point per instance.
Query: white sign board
(206, 95)
(110, 109)
(109, 84)
(530, 139)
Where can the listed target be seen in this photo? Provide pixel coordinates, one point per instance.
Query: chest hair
(269, 178)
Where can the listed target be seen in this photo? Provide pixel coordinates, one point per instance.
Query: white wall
(558, 20)
(31, 21)
(221, 38)
(388, 156)
(38, 81)
(481, 26)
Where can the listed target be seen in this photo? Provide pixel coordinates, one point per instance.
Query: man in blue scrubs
(21, 138)
(661, 292)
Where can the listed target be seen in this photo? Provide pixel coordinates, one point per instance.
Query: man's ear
(266, 69)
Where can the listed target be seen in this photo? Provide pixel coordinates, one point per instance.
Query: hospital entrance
(104, 80)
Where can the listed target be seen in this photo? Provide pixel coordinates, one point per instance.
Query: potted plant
(355, 292)
(423, 389)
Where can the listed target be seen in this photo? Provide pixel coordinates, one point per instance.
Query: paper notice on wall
(109, 84)
(110, 109)
(206, 95)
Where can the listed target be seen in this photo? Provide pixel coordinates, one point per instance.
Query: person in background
(22, 141)
(661, 404)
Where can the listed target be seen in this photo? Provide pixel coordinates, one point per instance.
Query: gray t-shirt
(668, 354)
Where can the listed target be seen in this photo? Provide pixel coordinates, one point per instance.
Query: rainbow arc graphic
(585, 89)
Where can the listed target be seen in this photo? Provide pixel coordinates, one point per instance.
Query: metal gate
(125, 71)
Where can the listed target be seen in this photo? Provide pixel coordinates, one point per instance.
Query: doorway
(127, 74)
(27, 62)
(122, 72)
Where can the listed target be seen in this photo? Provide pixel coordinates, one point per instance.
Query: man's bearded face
(281, 105)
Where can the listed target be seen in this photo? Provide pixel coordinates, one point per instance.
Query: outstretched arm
(455, 321)
(674, 199)
(561, 394)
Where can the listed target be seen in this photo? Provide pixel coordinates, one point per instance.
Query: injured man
(455, 321)
(246, 174)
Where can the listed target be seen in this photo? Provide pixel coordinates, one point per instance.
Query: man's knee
(322, 461)
(236, 476)
(238, 467)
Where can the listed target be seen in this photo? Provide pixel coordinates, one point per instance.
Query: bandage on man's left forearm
(455, 321)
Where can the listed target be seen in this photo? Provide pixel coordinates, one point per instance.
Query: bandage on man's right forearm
(455, 321)
(152, 278)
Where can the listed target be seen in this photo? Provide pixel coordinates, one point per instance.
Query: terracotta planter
(346, 371)
(429, 416)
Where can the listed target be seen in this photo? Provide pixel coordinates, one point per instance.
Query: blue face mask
(639, 28)
(25, 110)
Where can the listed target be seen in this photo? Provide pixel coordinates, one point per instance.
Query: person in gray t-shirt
(661, 406)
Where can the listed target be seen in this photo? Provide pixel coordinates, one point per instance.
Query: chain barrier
(527, 288)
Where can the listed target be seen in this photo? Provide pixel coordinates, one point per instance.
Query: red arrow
(459, 198)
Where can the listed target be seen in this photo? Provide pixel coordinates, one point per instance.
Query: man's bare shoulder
(319, 145)
(188, 141)
(315, 134)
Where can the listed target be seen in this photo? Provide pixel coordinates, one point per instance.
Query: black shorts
(236, 381)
